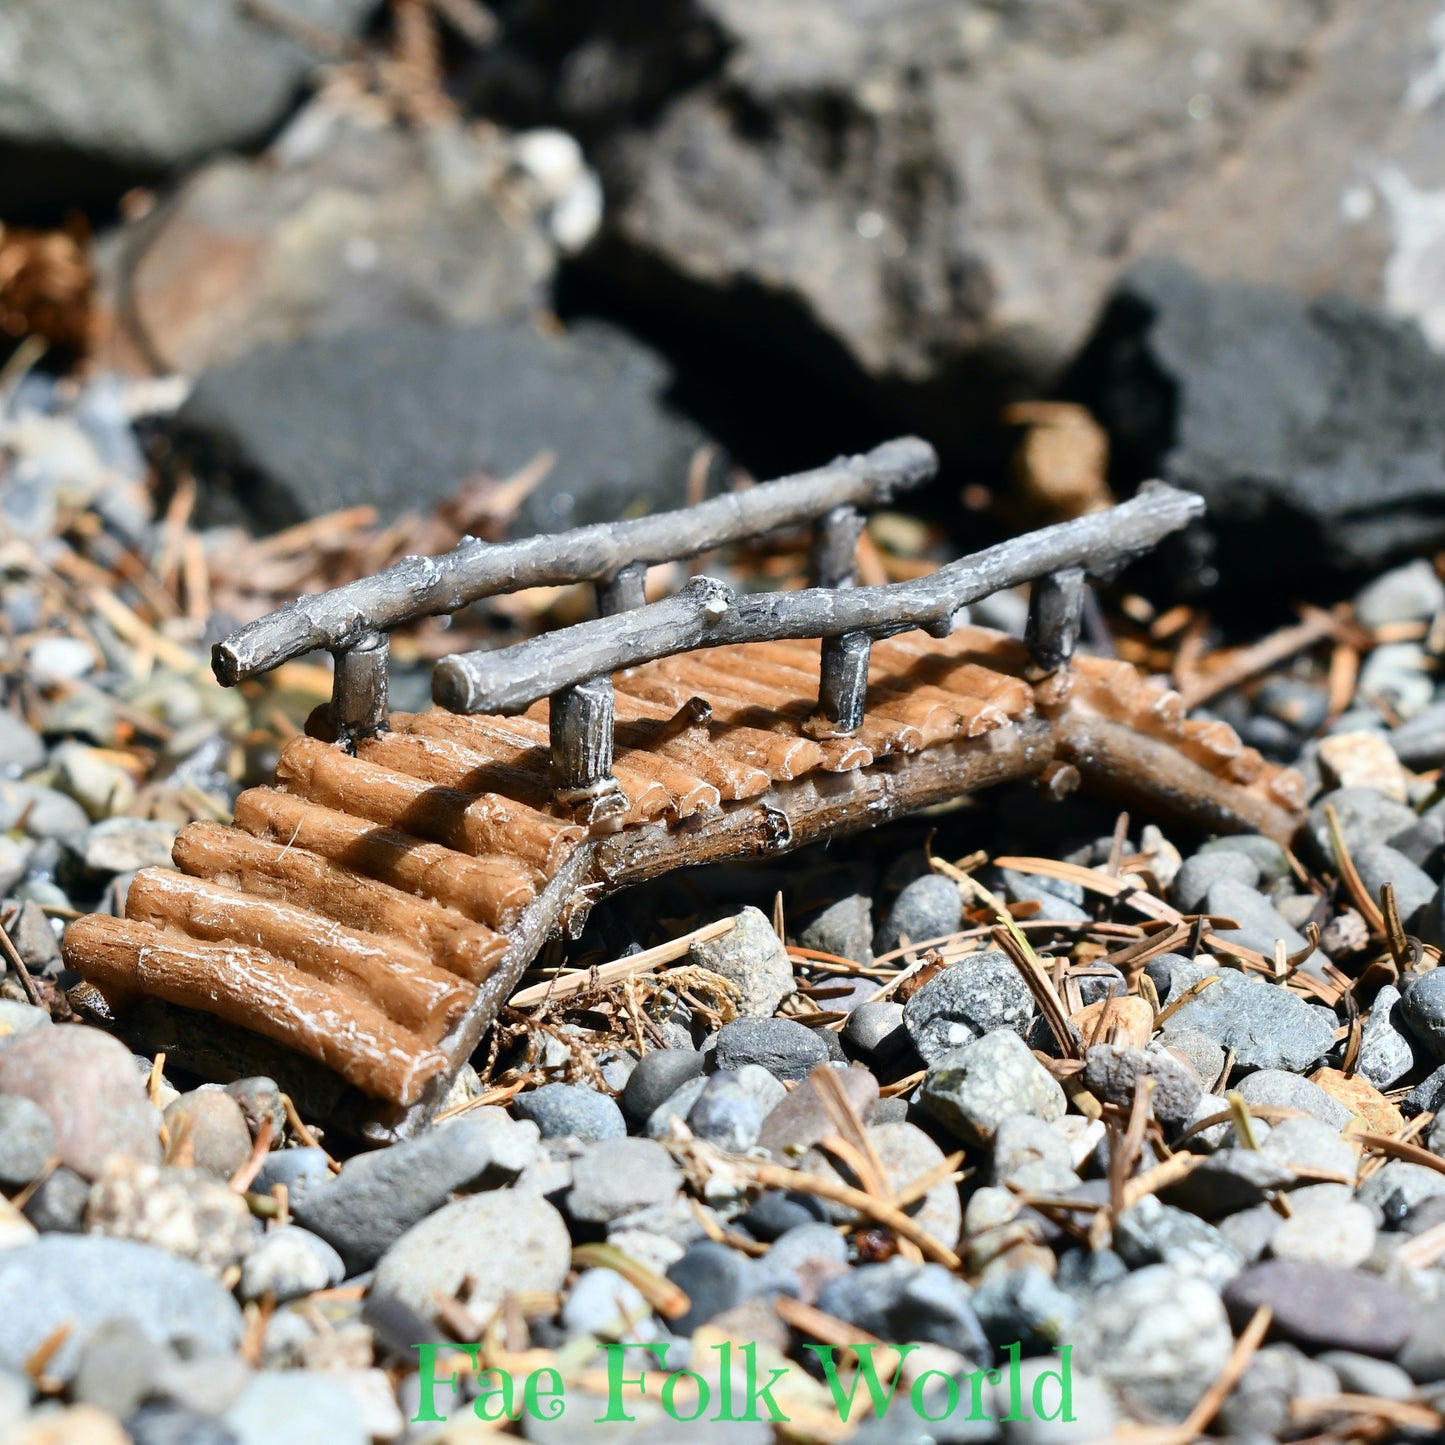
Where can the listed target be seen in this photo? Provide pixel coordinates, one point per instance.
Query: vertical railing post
(583, 718)
(1056, 610)
(843, 664)
(358, 688)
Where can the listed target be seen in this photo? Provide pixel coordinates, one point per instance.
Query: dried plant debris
(983, 1091)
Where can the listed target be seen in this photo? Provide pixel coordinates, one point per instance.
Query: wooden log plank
(492, 889)
(289, 874)
(388, 974)
(472, 823)
(248, 987)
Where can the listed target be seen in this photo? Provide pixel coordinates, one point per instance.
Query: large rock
(1321, 419)
(85, 1282)
(340, 225)
(399, 416)
(98, 93)
(917, 187)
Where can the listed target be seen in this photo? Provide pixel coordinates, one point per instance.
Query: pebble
(118, 1368)
(21, 750)
(60, 659)
(181, 1211)
(1023, 1305)
(714, 1278)
(297, 1169)
(1311, 1144)
(1336, 1235)
(1267, 1026)
(1428, 1096)
(1159, 1336)
(1260, 923)
(1379, 863)
(1410, 593)
(1364, 1375)
(34, 939)
(620, 1177)
(604, 1305)
(85, 1280)
(674, 1108)
(799, 1121)
(1422, 1006)
(1203, 1054)
(1112, 1074)
(123, 845)
(14, 861)
(656, 1078)
(777, 1211)
(803, 1260)
(17, 1019)
(725, 1114)
(1260, 1403)
(1288, 1091)
(1365, 816)
(58, 1206)
(213, 1128)
(1323, 1308)
(1399, 674)
(1398, 1188)
(786, 1049)
(91, 776)
(1419, 743)
(902, 1302)
(289, 1262)
(378, 1196)
(753, 957)
(1363, 760)
(1032, 1155)
(87, 1084)
(962, 1003)
(503, 1240)
(1201, 872)
(260, 1099)
(26, 1141)
(844, 928)
(973, 1089)
(293, 1407)
(1386, 1055)
(1152, 1232)
(928, 907)
(560, 1110)
(876, 1029)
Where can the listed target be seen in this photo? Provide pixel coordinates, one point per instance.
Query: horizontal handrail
(707, 613)
(430, 586)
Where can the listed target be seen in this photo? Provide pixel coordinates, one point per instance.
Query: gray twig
(430, 586)
(708, 614)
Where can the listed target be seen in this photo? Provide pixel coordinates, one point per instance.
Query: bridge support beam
(843, 684)
(1056, 610)
(358, 688)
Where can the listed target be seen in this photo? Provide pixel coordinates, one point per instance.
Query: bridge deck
(371, 913)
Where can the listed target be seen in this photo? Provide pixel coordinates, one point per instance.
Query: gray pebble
(34, 939)
(1364, 1375)
(296, 1407)
(123, 845)
(1159, 1336)
(377, 1197)
(904, 1302)
(58, 1206)
(785, 1048)
(559, 1110)
(1288, 1091)
(1032, 1155)
(1422, 1006)
(1365, 816)
(725, 1114)
(876, 1028)
(1112, 1074)
(1386, 1054)
(1023, 1305)
(1201, 872)
(752, 956)
(1398, 1188)
(799, 1121)
(21, 750)
(118, 1367)
(844, 928)
(1379, 863)
(1203, 1054)
(215, 1128)
(1155, 1233)
(165, 1424)
(1260, 1403)
(803, 1259)
(962, 1003)
(658, 1076)
(929, 907)
(1229, 1180)
(290, 1262)
(85, 1280)
(1337, 1235)
(1267, 1026)
(1409, 593)
(619, 1177)
(973, 1089)
(714, 1278)
(1260, 923)
(1271, 860)
(676, 1107)
(297, 1169)
(504, 1241)
(605, 1306)
(26, 1141)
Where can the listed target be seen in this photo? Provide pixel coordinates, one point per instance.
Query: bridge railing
(353, 622)
(574, 665)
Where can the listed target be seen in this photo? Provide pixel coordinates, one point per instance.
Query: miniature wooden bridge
(356, 929)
